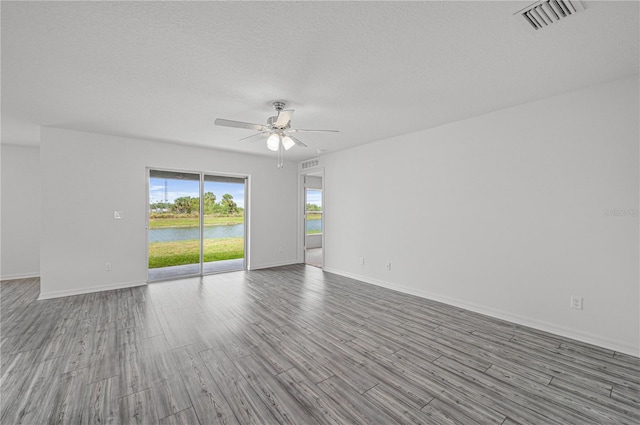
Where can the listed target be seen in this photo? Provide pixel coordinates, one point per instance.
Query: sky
(314, 197)
(178, 188)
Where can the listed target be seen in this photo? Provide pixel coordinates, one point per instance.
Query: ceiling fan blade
(255, 137)
(240, 124)
(313, 131)
(284, 117)
(298, 142)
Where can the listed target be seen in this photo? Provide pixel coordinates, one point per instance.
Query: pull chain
(280, 154)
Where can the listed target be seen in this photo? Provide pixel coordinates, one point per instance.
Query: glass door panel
(174, 225)
(313, 227)
(223, 224)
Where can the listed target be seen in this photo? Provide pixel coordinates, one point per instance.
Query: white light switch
(118, 215)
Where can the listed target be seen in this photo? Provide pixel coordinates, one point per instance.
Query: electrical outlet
(362, 261)
(118, 215)
(388, 266)
(107, 267)
(576, 302)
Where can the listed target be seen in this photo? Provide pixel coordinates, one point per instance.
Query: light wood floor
(293, 345)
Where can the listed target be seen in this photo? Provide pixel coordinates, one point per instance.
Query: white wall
(20, 233)
(86, 177)
(504, 214)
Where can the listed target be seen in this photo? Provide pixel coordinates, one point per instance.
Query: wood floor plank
(322, 407)
(596, 400)
(22, 404)
(78, 353)
(386, 399)
(183, 417)
(166, 383)
(633, 363)
(444, 413)
(310, 365)
(597, 361)
(282, 405)
(107, 307)
(530, 362)
(451, 389)
(565, 406)
(134, 373)
(101, 405)
(103, 361)
(346, 368)
(382, 370)
(356, 406)
(272, 359)
(138, 408)
(297, 345)
(496, 355)
(626, 396)
(16, 369)
(369, 343)
(209, 403)
(66, 404)
(242, 398)
(57, 341)
(503, 395)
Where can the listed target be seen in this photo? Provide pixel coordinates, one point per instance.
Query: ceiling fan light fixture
(275, 130)
(273, 142)
(287, 142)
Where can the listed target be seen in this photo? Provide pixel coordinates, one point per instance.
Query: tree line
(190, 205)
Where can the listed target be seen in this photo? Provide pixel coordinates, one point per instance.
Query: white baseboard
(20, 276)
(504, 315)
(71, 292)
(269, 265)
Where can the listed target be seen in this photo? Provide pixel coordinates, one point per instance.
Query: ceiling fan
(277, 131)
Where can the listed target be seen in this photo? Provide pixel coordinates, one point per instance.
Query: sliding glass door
(174, 224)
(313, 228)
(224, 224)
(196, 224)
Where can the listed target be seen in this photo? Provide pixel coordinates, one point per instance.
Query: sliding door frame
(247, 214)
(302, 215)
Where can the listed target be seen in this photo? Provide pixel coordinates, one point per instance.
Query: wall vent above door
(546, 12)
(310, 163)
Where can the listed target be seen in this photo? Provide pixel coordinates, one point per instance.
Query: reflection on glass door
(174, 224)
(224, 224)
(196, 224)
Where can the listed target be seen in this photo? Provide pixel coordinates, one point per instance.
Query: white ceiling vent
(546, 12)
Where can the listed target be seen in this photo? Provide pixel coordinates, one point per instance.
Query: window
(313, 211)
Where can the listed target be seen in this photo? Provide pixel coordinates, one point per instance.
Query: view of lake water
(314, 225)
(169, 234)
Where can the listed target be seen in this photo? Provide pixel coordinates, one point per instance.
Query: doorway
(195, 225)
(313, 221)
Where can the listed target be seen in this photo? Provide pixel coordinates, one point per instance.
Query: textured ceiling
(166, 70)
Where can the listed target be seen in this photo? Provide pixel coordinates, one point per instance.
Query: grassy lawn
(311, 216)
(156, 223)
(165, 254)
